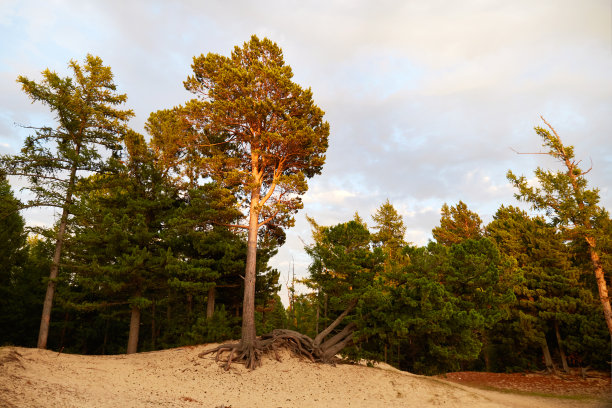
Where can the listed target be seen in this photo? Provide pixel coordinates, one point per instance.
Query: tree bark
(547, 358)
(399, 360)
(105, 342)
(248, 305)
(189, 306)
(45, 320)
(560, 345)
(132, 346)
(210, 303)
(321, 336)
(486, 352)
(43, 332)
(601, 283)
(153, 328)
(317, 319)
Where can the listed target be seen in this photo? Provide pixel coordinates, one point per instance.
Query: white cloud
(328, 197)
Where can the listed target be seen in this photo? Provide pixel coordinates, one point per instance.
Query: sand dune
(179, 378)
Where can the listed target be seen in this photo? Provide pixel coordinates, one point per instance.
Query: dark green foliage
(270, 315)
(22, 292)
(436, 305)
(22, 271)
(222, 326)
(119, 254)
(551, 295)
(12, 234)
(446, 300)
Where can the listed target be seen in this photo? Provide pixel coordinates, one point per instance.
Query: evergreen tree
(390, 229)
(553, 302)
(261, 136)
(55, 158)
(13, 237)
(446, 299)
(343, 270)
(13, 257)
(573, 208)
(457, 224)
(119, 253)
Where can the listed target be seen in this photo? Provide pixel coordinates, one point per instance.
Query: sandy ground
(179, 378)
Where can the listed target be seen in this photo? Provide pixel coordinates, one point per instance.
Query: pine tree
(552, 300)
(261, 136)
(343, 270)
(13, 258)
(119, 253)
(390, 229)
(457, 224)
(12, 234)
(573, 208)
(55, 158)
(436, 328)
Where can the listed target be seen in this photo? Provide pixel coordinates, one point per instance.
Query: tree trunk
(385, 352)
(317, 319)
(547, 358)
(248, 305)
(601, 283)
(399, 360)
(105, 342)
(134, 328)
(43, 332)
(561, 351)
(325, 308)
(486, 352)
(321, 336)
(153, 328)
(45, 320)
(210, 303)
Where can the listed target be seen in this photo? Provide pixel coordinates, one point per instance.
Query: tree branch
(517, 152)
(335, 323)
(231, 225)
(270, 218)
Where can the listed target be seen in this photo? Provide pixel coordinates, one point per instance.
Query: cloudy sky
(425, 99)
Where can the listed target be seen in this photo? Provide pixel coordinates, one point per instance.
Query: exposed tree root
(318, 349)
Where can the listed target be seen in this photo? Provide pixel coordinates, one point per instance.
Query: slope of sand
(179, 378)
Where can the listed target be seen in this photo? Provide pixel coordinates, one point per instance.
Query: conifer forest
(164, 239)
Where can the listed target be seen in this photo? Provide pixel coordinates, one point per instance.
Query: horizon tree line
(173, 235)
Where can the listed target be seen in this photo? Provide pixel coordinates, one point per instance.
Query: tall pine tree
(260, 135)
(574, 208)
(89, 130)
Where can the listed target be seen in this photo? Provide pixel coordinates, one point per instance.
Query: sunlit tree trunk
(248, 305)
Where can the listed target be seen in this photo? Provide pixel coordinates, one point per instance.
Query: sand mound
(179, 378)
